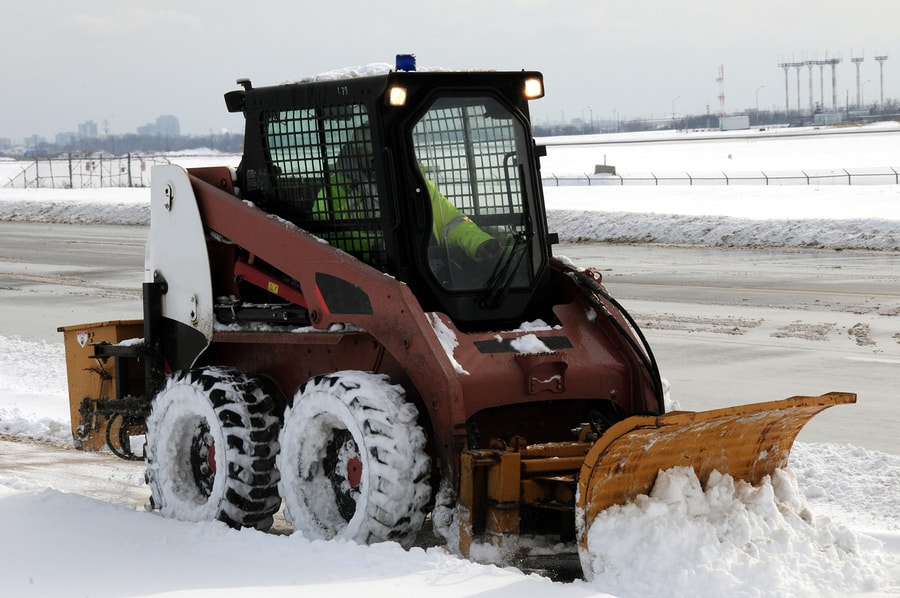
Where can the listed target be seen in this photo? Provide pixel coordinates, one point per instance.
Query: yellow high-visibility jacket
(450, 227)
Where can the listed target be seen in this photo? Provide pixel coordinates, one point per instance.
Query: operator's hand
(488, 250)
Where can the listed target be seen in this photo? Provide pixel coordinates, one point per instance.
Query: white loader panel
(176, 250)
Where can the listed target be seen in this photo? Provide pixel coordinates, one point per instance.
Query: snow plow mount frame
(585, 477)
(496, 483)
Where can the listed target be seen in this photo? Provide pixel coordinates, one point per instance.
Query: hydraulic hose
(593, 291)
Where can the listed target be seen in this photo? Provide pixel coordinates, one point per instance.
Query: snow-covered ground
(829, 525)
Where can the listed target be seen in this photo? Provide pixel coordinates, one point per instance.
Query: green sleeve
(453, 228)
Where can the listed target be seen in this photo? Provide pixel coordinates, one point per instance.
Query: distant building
(87, 129)
(734, 123)
(68, 138)
(165, 126)
(5, 143)
(828, 118)
(34, 141)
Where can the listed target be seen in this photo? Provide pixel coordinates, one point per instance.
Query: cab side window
(323, 177)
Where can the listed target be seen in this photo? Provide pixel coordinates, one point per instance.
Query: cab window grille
(469, 148)
(321, 162)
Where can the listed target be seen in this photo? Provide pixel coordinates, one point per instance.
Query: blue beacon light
(406, 62)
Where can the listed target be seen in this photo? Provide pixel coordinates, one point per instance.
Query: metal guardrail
(844, 176)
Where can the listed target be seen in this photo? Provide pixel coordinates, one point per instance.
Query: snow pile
(448, 341)
(76, 206)
(730, 540)
(33, 384)
(529, 344)
(367, 70)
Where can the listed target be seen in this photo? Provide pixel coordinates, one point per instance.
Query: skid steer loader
(365, 323)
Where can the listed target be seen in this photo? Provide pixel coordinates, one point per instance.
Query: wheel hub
(203, 460)
(344, 468)
(354, 471)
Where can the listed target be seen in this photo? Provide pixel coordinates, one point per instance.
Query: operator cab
(429, 176)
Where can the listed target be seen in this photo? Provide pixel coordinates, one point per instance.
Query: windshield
(468, 149)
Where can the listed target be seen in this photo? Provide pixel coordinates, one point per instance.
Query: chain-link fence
(841, 176)
(71, 171)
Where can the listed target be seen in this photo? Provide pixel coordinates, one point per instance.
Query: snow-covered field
(830, 525)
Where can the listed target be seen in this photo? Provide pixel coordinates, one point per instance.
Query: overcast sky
(122, 63)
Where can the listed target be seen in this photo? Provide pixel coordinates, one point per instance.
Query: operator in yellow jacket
(450, 227)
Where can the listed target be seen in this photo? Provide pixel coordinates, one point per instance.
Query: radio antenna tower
(881, 60)
(857, 61)
(721, 81)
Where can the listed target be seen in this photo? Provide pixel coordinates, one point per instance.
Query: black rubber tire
(356, 418)
(211, 445)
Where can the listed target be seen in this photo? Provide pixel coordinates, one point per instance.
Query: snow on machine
(364, 323)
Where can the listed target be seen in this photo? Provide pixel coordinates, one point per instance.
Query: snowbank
(76, 206)
(830, 217)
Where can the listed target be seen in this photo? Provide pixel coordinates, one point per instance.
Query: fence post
(50, 168)
(129, 170)
(727, 181)
(101, 171)
(849, 178)
(71, 182)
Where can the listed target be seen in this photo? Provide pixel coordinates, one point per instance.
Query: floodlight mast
(857, 60)
(821, 64)
(786, 66)
(880, 60)
(833, 62)
(809, 64)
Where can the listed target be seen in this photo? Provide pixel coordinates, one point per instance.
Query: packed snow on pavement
(828, 525)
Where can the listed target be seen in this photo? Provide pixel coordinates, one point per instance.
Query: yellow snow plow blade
(747, 442)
